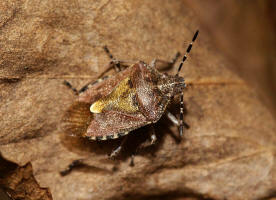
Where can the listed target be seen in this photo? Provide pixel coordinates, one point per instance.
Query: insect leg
(173, 61)
(88, 85)
(147, 143)
(153, 137)
(116, 151)
(115, 62)
(71, 87)
(164, 65)
(69, 168)
(132, 160)
(172, 118)
(85, 87)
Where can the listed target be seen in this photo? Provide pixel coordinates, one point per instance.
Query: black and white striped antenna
(181, 97)
(187, 52)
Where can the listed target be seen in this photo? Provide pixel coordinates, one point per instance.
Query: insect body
(114, 106)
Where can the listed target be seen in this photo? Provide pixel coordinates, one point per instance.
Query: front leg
(164, 65)
(174, 120)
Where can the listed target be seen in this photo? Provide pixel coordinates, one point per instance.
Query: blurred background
(244, 32)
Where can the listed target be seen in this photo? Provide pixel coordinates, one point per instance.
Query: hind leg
(145, 144)
(114, 63)
(116, 151)
(70, 167)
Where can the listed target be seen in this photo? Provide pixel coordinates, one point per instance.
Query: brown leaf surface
(19, 183)
(244, 31)
(229, 150)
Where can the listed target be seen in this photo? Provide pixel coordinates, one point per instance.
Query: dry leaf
(228, 151)
(19, 183)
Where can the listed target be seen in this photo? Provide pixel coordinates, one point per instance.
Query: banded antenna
(181, 97)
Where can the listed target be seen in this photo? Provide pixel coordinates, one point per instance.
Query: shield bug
(112, 107)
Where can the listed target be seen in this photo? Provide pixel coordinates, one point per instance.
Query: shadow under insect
(76, 121)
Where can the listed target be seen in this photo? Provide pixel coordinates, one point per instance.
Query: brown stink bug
(112, 107)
